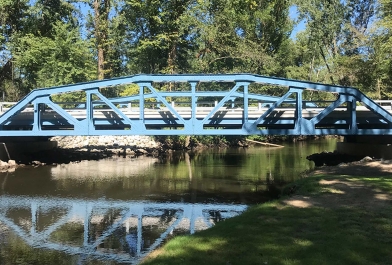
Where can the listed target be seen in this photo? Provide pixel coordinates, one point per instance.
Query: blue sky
(293, 13)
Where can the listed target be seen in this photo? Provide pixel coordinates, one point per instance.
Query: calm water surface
(115, 211)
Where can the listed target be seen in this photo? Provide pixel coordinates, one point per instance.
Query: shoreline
(78, 148)
(336, 215)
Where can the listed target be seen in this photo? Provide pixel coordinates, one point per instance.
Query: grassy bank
(330, 219)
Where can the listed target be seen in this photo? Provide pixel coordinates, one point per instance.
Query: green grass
(274, 233)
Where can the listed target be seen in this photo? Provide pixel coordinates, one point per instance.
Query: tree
(158, 43)
(238, 36)
(12, 22)
(62, 59)
(380, 60)
(106, 28)
(337, 39)
(101, 27)
(44, 15)
(325, 23)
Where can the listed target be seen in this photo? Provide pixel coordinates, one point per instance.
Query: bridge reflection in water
(120, 231)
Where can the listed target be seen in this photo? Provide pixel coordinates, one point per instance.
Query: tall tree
(338, 33)
(50, 51)
(157, 43)
(44, 15)
(235, 36)
(106, 27)
(12, 20)
(381, 58)
(63, 58)
(101, 27)
(12, 23)
(325, 23)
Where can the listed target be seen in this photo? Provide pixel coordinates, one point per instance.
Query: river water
(117, 210)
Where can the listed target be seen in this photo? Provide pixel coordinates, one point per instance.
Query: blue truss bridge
(221, 104)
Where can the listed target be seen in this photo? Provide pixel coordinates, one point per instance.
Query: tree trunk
(326, 63)
(172, 57)
(101, 18)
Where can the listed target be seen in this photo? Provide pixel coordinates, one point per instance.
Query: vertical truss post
(192, 220)
(298, 103)
(37, 117)
(246, 103)
(193, 105)
(141, 100)
(302, 126)
(89, 110)
(352, 109)
(194, 99)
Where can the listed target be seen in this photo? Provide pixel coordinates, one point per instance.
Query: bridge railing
(5, 106)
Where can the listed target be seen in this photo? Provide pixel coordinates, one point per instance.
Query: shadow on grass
(346, 222)
(269, 235)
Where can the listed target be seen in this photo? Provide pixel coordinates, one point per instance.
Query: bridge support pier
(378, 146)
(16, 147)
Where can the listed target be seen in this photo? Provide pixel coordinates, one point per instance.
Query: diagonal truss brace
(226, 98)
(78, 125)
(159, 97)
(90, 111)
(251, 128)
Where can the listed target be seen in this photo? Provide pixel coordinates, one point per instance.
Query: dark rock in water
(332, 158)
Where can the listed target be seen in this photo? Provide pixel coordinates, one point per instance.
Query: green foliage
(12, 90)
(16, 251)
(183, 142)
(46, 14)
(335, 44)
(130, 90)
(12, 20)
(238, 36)
(63, 59)
(209, 140)
(380, 61)
(77, 96)
(157, 44)
(176, 142)
(47, 43)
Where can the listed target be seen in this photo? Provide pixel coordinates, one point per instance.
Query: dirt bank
(347, 189)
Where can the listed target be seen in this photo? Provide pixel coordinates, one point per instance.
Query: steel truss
(235, 112)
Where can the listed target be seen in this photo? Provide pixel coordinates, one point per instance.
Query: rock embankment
(128, 145)
(97, 147)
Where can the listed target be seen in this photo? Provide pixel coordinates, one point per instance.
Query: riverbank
(336, 215)
(71, 149)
